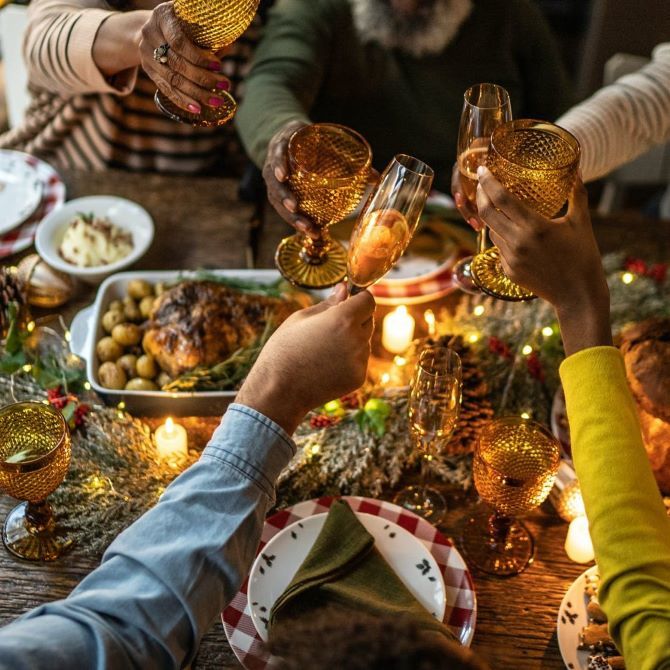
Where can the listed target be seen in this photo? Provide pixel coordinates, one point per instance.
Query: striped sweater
(622, 121)
(79, 119)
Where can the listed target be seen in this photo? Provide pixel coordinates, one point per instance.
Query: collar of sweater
(428, 32)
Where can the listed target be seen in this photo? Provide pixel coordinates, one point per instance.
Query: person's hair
(346, 640)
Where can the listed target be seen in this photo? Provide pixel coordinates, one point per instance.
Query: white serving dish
(121, 212)
(86, 330)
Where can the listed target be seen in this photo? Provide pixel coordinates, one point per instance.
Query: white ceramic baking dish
(86, 330)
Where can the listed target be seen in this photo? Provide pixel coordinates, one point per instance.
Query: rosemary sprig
(225, 376)
(275, 289)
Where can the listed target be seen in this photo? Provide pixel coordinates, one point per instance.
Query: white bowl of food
(93, 237)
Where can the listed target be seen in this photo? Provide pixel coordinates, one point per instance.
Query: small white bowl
(121, 212)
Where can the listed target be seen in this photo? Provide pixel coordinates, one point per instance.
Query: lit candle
(171, 442)
(398, 330)
(578, 544)
(429, 317)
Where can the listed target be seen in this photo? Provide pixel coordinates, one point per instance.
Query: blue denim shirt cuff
(252, 444)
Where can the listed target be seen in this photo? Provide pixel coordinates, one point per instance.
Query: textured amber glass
(39, 431)
(329, 167)
(515, 465)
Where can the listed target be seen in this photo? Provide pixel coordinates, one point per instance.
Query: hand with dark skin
(191, 77)
(317, 354)
(463, 205)
(557, 259)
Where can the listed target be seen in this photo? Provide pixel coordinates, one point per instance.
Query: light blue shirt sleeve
(165, 578)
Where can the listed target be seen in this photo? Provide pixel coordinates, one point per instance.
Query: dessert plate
(20, 189)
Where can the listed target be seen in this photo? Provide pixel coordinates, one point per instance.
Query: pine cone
(476, 409)
(11, 291)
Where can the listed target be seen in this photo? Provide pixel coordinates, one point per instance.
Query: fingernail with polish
(289, 204)
(194, 109)
(215, 102)
(223, 85)
(214, 66)
(280, 174)
(473, 222)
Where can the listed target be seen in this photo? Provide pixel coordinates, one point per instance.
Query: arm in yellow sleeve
(629, 527)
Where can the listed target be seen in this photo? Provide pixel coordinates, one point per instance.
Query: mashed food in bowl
(90, 241)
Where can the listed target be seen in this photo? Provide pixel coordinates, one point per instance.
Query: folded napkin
(344, 569)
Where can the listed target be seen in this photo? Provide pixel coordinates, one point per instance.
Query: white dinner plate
(280, 559)
(572, 617)
(20, 189)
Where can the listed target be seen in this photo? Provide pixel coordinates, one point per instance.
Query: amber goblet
(35, 453)
(537, 161)
(388, 221)
(329, 168)
(514, 468)
(211, 24)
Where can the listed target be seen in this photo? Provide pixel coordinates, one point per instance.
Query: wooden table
(200, 223)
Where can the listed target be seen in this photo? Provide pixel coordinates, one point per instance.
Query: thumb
(578, 203)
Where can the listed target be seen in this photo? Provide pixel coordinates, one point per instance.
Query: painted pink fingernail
(289, 204)
(458, 199)
(280, 174)
(474, 223)
(215, 102)
(195, 109)
(223, 85)
(214, 66)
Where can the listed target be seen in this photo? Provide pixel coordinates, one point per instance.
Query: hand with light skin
(557, 259)
(191, 77)
(317, 354)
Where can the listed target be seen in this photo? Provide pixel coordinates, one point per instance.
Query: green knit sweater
(312, 65)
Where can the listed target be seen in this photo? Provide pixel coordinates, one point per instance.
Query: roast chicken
(200, 323)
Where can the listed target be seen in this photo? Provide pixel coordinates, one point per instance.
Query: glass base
(502, 556)
(209, 117)
(461, 275)
(293, 265)
(32, 543)
(424, 501)
(487, 272)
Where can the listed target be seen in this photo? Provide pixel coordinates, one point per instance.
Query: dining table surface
(200, 223)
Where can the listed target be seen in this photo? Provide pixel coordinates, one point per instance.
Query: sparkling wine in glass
(433, 411)
(329, 168)
(35, 453)
(485, 107)
(388, 221)
(538, 162)
(514, 468)
(212, 25)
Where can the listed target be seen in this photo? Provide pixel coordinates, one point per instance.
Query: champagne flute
(434, 407)
(537, 161)
(35, 453)
(329, 167)
(514, 466)
(485, 107)
(211, 24)
(388, 221)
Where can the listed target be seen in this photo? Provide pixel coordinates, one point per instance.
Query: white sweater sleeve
(623, 120)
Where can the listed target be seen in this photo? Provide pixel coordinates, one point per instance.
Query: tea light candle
(171, 441)
(578, 544)
(398, 330)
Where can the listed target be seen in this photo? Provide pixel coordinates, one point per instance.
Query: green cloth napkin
(345, 569)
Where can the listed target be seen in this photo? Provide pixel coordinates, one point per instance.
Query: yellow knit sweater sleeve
(629, 526)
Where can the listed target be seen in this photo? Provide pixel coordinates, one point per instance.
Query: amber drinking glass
(211, 24)
(434, 407)
(388, 221)
(485, 107)
(514, 468)
(537, 162)
(329, 168)
(34, 457)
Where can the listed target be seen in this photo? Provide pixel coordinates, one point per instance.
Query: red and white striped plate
(460, 613)
(53, 196)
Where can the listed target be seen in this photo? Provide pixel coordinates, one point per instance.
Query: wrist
(585, 324)
(117, 44)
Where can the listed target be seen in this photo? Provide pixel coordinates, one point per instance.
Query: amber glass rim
(516, 420)
(520, 124)
(498, 87)
(43, 459)
(328, 126)
(415, 166)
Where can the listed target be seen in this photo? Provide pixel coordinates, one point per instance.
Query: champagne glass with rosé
(388, 221)
(485, 107)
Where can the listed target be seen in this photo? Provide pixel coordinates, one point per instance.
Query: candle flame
(386, 378)
(169, 425)
(429, 317)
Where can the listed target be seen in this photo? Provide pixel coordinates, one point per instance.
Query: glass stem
(499, 526)
(38, 515)
(425, 471)
(315, 251)
(481, 240)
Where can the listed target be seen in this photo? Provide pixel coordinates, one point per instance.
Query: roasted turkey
(200, 323)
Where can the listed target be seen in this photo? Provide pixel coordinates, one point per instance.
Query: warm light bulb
(473, 337)
(547, 331)
(386, 378)
(627, 277)
(527, 350)
(400, 361)
(479, 310)
(525, 415)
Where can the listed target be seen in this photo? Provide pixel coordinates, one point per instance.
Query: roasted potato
(127, 334)
(131, 310)
(146, 305)
(146, 367)
(139, 384)
(112, 318)
(117, 305)
(163, 379)
(128, 363)
(138, 289)
(108, 349)
(111, 376)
